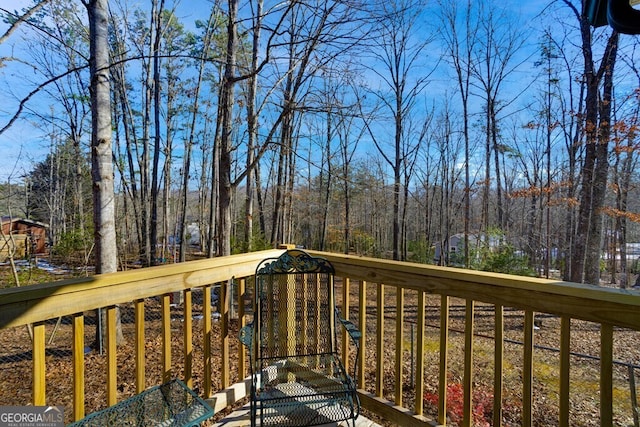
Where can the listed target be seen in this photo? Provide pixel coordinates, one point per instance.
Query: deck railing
(440, 345)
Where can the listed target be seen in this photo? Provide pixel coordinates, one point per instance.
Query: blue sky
(25, 143)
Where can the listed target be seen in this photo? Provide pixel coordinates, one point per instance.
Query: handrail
(377, 280)
(30, 304)
(612, 306)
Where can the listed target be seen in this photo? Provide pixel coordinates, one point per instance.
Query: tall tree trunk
(226, 104)
(155, 169)
(101, 152)
(326, 195)
(496, 156)
(585, 265)
(186, 165)
(487, 174)
(252, 129)
(130, 183)
(572, 144)
(399, 124)
(623, 183)
(601, 172)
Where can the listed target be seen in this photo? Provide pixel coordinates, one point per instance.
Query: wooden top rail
(19, 306)
(610, 306)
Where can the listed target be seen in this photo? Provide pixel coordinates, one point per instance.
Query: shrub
(482, 405)
(73, 243)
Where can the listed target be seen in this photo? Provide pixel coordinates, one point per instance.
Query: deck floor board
(240, 417)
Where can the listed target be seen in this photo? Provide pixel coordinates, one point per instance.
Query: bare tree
(460, 44)
(398, 53)
(585, 263)
(499, 39)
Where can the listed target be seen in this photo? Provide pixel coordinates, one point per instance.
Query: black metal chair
(298, 378)
(170, 404)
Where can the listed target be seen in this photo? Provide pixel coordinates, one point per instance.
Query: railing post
(565, 370)
(206, 327)
(399, 343)
(78, 366)
(39, 372)
(112, 377)
(345, 315)
(634, 396)
(419, 374)
(140, 346)
(444, 346)
(242, 351)
(188, 337)
(467, 413)
(362, 313)
(166, 338)
(380, 342)
(527, 370)
(606, 375)
(224, 332)
(498, 364)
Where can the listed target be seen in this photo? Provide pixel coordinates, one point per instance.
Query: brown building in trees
(23, 237)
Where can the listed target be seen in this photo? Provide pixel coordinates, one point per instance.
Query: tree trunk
(101, 152)
(601, 172)
(226, 104)
(586, 248)
(252, 129)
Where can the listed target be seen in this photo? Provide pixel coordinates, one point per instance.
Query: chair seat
(302, 375)
(294, 393)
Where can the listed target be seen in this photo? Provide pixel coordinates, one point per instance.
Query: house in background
(445, 250)
(22, 237)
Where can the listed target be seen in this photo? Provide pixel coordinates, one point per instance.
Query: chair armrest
(246, 335)
(352, 330)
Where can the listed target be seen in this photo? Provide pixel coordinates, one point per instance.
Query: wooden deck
(240, 417)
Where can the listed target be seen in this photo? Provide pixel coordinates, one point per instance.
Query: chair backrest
(295, 306)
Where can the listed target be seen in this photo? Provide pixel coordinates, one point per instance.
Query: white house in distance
(456, 245)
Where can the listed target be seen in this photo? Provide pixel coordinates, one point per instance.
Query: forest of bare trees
(473, 134)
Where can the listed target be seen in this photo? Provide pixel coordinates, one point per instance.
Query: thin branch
(20, 19)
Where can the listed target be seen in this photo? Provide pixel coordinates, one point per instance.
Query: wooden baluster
(206, 326)
(188, 338)
(224, 332)
(380, 341)
(345, 315)
(39, 369)
(399, 344)
(498, 365)
(362, 312)
(606, 375)
(140, 346)
(565, 370)
(112, 367)
(78, 366)
(527, 371)
(166, 338)
(444, 347)
(419, 374)
(242, 350)
(467, 412)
